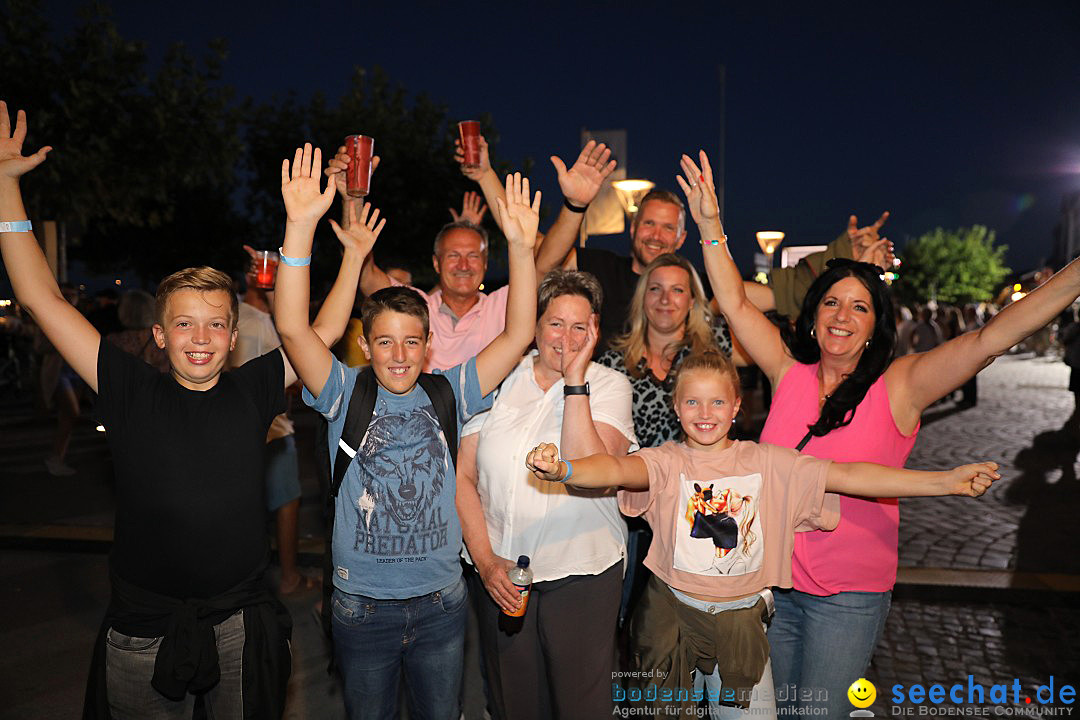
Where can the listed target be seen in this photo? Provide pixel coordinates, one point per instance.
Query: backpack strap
(441, 394)
(357, 419)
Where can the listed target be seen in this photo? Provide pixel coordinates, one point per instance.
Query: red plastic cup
(264, 268)
(469, 130)
(358, 177)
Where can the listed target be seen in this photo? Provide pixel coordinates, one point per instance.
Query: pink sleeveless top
(860, 554)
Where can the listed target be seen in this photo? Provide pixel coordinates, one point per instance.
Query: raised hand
(363, 229)
(13, 164)
(973, 480)
(473, 209)
(543, 462)
(576, 361)
(583, 180)
(339, 164)
(867, 245)
(700, 193)
(305, 202)
(473, 173)
(866, 235)
(519, 218)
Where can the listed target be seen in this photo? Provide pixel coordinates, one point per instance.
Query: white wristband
(18, 226)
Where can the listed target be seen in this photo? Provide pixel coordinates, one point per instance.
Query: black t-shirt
(190, 514)
(618, 280)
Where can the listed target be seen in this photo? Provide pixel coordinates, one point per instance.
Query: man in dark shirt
(658, 227)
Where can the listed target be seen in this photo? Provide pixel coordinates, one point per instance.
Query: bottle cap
(523, 561)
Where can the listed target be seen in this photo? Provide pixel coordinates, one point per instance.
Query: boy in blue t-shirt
(399, 598)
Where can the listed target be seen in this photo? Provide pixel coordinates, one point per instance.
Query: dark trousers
(558, 661)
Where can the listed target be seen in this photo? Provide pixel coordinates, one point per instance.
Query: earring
(867, 344)
(812, 333)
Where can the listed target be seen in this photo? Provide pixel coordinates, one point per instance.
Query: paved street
(987, 587)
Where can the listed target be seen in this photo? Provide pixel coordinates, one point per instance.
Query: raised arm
(595, 471)
(483, 176)
(372, 277)
(581, 435)
(580, 185)
(872, 480)
(305, 203)
(491, 567)
(920, 379)
(35, 287)
(757, 335)
(519, 221)
(787, 286)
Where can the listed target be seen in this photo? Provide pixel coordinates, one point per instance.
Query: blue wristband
(293, 262)
(569, 471)
(17, 226)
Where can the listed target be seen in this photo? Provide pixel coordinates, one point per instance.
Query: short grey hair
(569, 282)
(464, 224)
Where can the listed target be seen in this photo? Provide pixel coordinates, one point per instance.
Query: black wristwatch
(576, 389)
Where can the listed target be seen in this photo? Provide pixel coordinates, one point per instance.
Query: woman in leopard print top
(669, 318)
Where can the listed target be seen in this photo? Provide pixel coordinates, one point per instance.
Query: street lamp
(768, 241)
(630, 193)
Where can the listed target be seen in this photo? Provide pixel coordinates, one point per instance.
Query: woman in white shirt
(557, 661)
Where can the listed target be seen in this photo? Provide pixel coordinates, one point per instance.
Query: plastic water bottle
(522, 578)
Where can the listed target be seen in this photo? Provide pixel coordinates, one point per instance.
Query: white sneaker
(57, 468)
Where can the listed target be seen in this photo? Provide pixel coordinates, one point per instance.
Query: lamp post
(630, 193)
(768, 241)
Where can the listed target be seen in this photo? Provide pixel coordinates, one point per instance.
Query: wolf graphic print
(403, 464)
(720, 532)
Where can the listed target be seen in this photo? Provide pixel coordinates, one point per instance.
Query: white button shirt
(564, 531)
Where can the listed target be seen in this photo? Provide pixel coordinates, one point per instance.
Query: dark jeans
(375, 639)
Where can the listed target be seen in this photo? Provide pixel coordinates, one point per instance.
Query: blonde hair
(203, 279)
(711, 360)
(698, 332)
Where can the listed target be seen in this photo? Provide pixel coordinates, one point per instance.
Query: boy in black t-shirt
(189, 613)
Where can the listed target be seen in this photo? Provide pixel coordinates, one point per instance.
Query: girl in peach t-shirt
(724, 515)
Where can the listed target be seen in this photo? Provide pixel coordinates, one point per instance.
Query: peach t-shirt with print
(724, 522)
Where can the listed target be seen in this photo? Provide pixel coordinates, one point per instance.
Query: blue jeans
(375, 639)
(129, 665)
(819, 645)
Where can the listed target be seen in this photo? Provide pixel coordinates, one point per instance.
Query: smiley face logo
(862, 693)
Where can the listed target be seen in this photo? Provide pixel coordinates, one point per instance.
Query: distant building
(1067, 232)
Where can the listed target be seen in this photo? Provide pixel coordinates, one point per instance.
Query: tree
(159, 168)
(953, 266)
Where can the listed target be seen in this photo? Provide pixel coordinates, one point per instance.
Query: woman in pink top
(840, 394)
(724, 515)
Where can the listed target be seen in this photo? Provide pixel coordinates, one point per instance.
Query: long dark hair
(839, 408)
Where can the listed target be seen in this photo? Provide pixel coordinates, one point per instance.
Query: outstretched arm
(580, 185)
(920, 379)
(491, 568)
(595, 471)
(35, 287)
(519, 221)
(872, 480)
(305, 203)
(483, 176)
(758, 337)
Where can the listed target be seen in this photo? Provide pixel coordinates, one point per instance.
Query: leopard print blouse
(654, 417)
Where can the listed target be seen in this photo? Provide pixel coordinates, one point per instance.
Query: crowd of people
(535, 420)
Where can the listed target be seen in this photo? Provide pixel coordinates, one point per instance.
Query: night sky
(948, 114)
